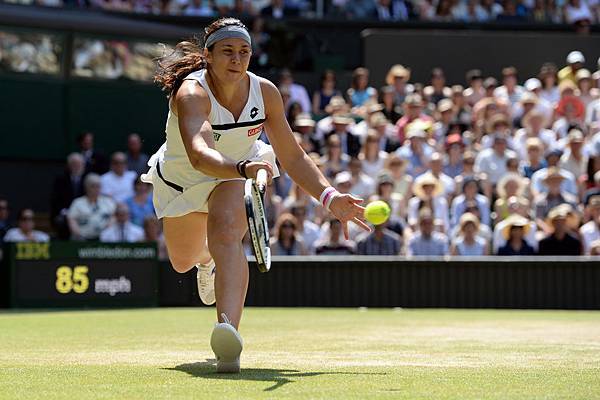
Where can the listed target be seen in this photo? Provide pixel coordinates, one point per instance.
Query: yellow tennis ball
(377, 212)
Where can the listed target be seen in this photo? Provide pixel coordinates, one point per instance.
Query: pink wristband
(325, 193)
(327, 197)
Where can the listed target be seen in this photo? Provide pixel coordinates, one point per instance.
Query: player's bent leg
(185, 238)
(226, 227)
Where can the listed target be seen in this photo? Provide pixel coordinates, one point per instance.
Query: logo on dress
(253, 112)
(216, 136)
(254, 131)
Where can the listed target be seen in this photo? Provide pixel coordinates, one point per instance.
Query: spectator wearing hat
(475, 91)
(369, 108)
(397, 77)
(453, 164)
(413, 111)
(470, 193)
(445, 111)
(437, 90)
(468, 243)
(534, 85)
(341, 126)
(533, 161)
(533, 127)
(372, 157)
(337, 105)
(363, 185)
(489, 85)
(305, 125)
(416, 151)
(388, 141)
(462, 110)
(484, 231)
(360, 91)
(286, 240)
(380, 242)
(575, 61)
(510, 90)
(25, 230)
(428, 194)
(426, 241)
(585, 85)
(568, 184)
(528, 102)
(333, 242)
(137, 161)
(498, 124)
(391, 110)
(553, 197)
(396, 166)
(517, 206)
(334, 160)
(514, 232)
(90, 214)
(590, 231)
(573, 160)
(492, 161)
(307, 230)
(436, 166)
(510, 185)
(122, 230)
(560, 242)
(327, 90)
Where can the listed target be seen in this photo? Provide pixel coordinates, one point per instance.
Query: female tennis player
(217, 111)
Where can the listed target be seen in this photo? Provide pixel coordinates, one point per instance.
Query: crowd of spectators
(484, 168)
(577, 12)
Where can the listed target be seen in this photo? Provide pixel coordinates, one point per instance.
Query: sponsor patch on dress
(254, 131)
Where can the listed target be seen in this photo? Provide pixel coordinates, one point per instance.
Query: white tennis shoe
(227, 345)
(206, 282)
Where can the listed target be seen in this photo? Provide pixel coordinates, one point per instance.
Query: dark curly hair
(187, 57)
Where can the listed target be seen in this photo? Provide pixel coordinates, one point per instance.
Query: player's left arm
(298, 164)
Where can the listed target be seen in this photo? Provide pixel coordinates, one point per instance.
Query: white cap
(575, 57)
(532, 84)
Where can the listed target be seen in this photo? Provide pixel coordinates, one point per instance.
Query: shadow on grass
(279, 377)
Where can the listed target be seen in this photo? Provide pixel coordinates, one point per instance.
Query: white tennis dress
(179, 188)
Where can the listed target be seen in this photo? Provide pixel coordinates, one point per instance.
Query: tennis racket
(254, 192)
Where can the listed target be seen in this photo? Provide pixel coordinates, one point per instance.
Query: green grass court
(302, 354)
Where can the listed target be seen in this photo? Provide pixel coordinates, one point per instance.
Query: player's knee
(182, 265)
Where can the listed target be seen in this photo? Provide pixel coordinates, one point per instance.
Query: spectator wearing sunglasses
(25, 230)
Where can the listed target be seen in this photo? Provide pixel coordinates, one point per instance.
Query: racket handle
(261, 179)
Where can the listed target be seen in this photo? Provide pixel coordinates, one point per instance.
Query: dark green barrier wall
(42, 118)
(387, 282)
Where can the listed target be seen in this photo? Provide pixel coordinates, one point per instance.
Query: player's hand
(253, 167)
(346, 207)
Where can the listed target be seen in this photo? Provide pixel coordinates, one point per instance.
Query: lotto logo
(254, 131)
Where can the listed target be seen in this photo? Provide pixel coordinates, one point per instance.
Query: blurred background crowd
(479, 167)
(581, 13)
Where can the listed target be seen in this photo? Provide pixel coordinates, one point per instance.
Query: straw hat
(508, 178)
(424, 180)
(466, 218)
(397, 71)
(497, 119)
(551, 173)
(564, 211)
(304, 120)
(534, 114)
(344, 119)
(515, 220)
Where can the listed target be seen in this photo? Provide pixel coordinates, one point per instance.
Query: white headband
(228, 32)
